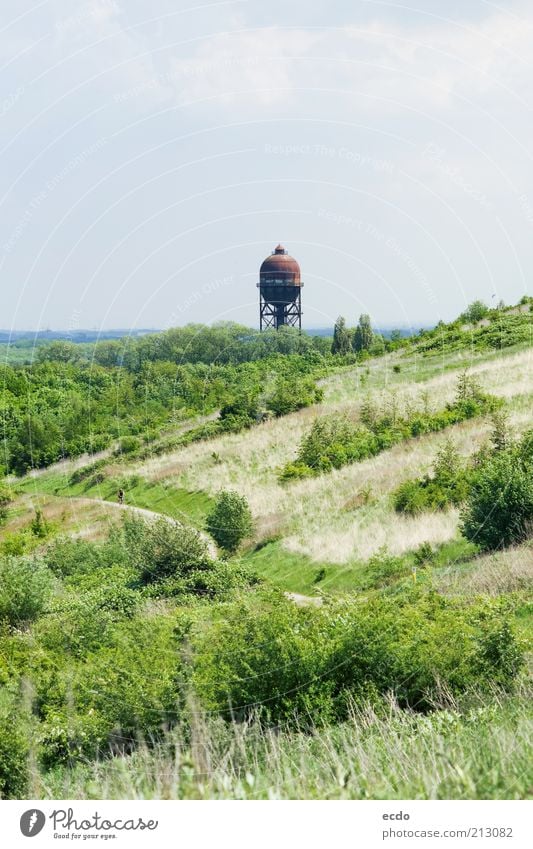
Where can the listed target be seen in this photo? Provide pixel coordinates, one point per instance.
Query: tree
(341, 338)
(499, 509)
(230, 521)
(25, 586)
(475, 312)
(363, 335)
(378, 345)
(164, 549)
(6, 497)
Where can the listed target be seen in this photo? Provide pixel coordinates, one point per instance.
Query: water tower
(280, 291)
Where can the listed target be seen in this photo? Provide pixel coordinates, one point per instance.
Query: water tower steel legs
(275, 315)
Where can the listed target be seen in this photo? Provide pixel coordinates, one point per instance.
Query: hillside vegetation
(318, 586)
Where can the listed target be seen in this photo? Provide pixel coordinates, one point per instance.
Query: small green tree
(230, 521)
(363, 336)
(164, 549)
(499, 509)
(6, 498)
(25, 587)
(341, 338)
(500, 436)
(475, 312)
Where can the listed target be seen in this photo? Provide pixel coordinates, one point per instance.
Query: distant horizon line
(124, 331)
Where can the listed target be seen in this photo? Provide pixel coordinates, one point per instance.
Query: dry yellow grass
(491, 574)
(85, 518)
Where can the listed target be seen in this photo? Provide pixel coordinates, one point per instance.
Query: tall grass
(385, 753)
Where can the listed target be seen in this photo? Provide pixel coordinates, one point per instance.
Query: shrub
(295, 471)
(14, 749)
(83, 618)
(81, 474)
(164, 548)
(6, 497)
(230, 521)
(116, 696)
(411, 498)
(68, 557)
(25, 587)
(475, 312)
(291, 394)
(268, 660)
(304, 665)
(384, 569)
(128, 445)
(419, 644)
(499, 508)
(39, 526)
(448, 485)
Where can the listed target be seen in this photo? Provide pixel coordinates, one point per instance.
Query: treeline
(363, 340)
(58, 408)
(221, 344)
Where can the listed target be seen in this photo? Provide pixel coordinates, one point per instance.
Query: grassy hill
(454, 730)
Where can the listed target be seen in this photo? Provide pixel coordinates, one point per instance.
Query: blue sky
(153, 153)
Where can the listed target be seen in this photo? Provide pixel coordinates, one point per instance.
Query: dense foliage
(334, 441)
(286, 663)
(485, 329)
(448, 485)
(499, 507)
(230, 521)
(64, 405)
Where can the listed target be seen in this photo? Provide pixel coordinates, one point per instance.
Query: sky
(154, 152)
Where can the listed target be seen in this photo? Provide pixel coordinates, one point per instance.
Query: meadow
(344, 647)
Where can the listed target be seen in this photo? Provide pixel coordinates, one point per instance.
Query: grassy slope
(333, 522)
(336, 521)
(482, 753)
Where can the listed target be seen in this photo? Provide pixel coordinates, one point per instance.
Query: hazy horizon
(152, 159)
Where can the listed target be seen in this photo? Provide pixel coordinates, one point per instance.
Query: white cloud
(424, 66)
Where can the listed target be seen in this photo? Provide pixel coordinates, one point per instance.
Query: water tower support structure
(275, 315)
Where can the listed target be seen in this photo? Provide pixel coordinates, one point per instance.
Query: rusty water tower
(280, 291)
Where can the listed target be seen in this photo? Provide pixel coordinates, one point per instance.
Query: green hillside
(369, 635)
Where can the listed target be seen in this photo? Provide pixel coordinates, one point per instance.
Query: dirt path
(305, 600)
(297, 598)
(148, 514)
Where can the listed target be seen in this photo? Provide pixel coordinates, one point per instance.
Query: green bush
(286, 663)
(164, 549)
(422, 645)
(230, 521)
(116, 696)
(81, 474)
(268, 660)
(295, 471)
(475, 312)
(25, 587)
(67, 557)
(292, 392)
(448, 485)
(128, 445)
(14, 749)
(6, 497)
(499, 508)
(384, 569)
